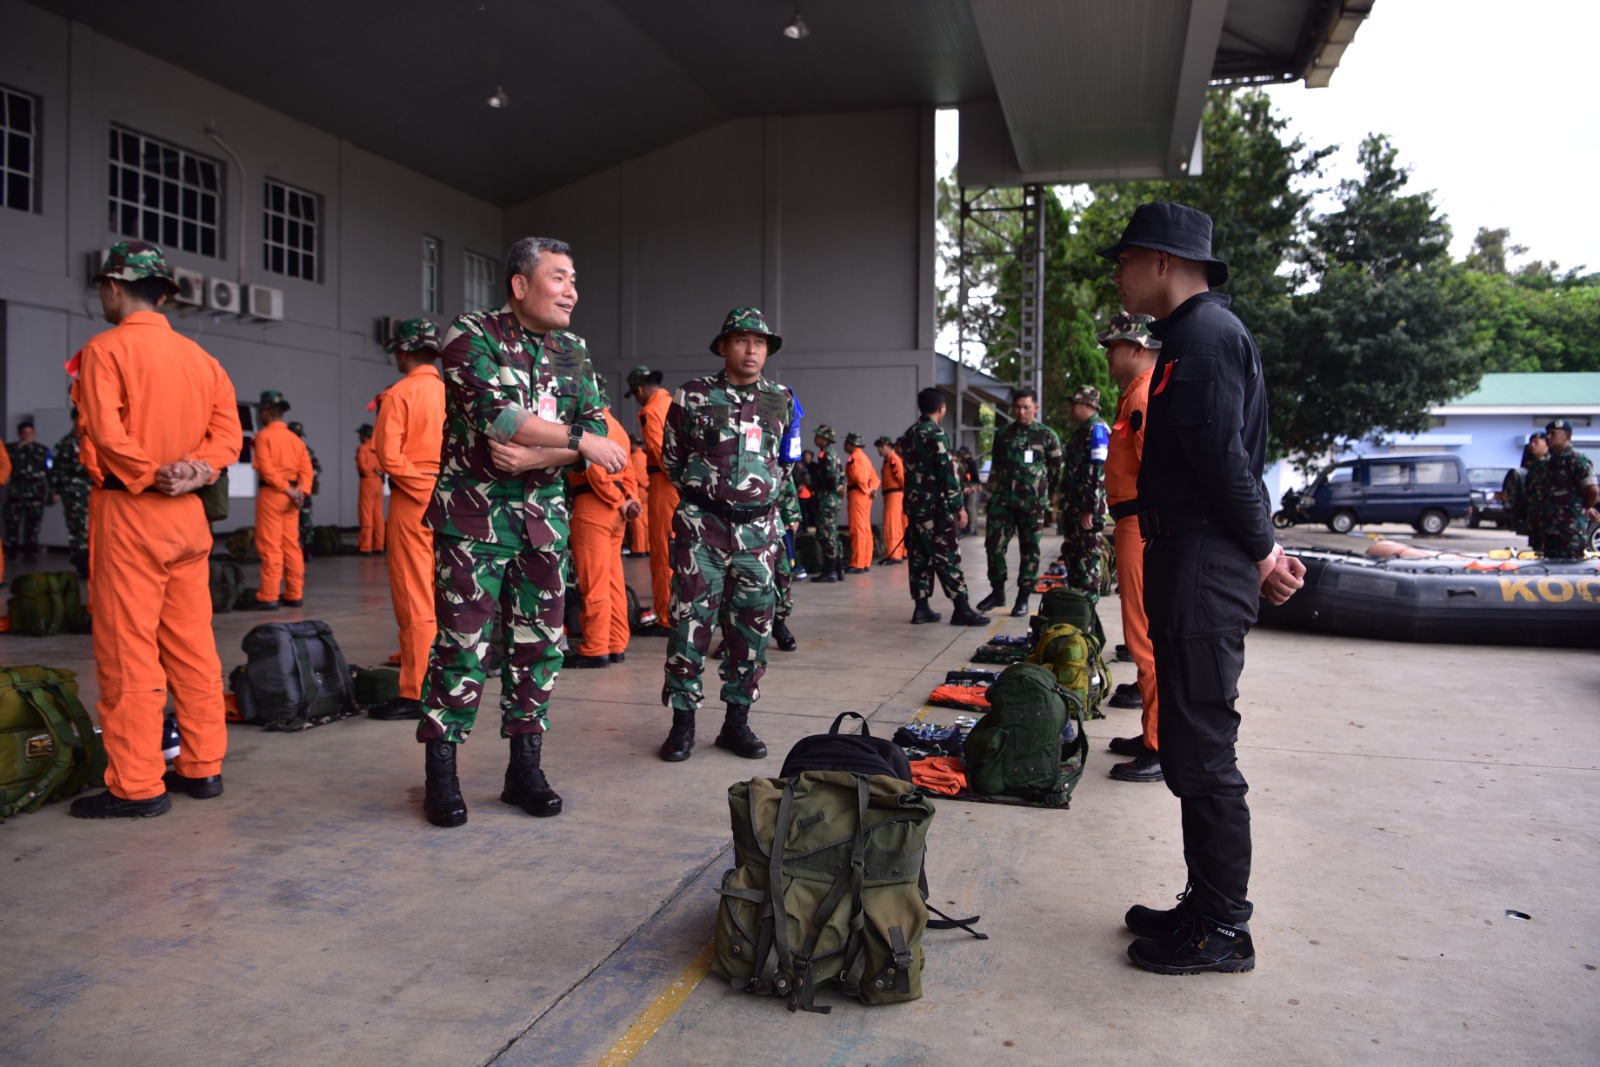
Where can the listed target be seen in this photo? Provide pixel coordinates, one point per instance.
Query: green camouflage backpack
(1076, 661)
(48, 746)
(1031, 743)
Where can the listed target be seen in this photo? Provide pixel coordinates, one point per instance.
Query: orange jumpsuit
(281, 460)
(597, 530)
(639, 529)
(149, 397)
(369, 501)
(1122, 485)
(663, 502)
(406, 437)
(894, 511)
(863, 481)
(5, 476)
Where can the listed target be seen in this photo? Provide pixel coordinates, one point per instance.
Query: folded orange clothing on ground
(975, 697)
(946, 775)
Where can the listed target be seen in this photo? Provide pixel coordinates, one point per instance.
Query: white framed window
(290, 223)
(430, 275)
(480, 283)
(162, 193)
(19, 150)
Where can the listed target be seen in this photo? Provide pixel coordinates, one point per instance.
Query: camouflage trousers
(75, 510)
(470, 579)
(1082, 551)
(1561, 540)
(305, 527)
(735, 587)
(931, 551)
(1002, 523)
(782, 579)
(22, 522)
(828, 527)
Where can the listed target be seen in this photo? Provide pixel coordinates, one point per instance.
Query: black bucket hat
(1175, 229)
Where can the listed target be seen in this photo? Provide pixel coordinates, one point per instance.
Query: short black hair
(25, 424)
(524, 256)
(930, 400)
(1027, 392)
(149, 290)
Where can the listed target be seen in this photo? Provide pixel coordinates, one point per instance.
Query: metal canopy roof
(1089, 85)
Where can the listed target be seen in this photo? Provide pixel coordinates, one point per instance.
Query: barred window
(480, 283)
(162, 193)
(430, 275)
(19, 150)
(289, 224)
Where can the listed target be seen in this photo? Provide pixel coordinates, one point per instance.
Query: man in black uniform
(1210, 555)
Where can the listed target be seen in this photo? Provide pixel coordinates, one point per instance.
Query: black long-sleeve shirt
(1205, 441)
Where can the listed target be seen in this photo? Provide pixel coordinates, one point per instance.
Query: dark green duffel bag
(45, 603)
(326, 541)
(48, 747)
(375, 685)
(227, 582)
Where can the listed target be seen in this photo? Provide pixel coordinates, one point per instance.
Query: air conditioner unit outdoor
(191, 288)
(263, 302)
(222, 296)
(385, 329)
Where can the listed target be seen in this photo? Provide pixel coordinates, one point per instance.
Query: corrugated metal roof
(1543, 391)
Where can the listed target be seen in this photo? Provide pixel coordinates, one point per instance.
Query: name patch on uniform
(1027, 455)
(547, 408)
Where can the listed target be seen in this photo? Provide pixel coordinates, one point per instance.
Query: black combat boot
(1206, 945)
(963, 615)
(996, 597)
(782, 637)
(838, 569)
(922, 613)
(680, 739)
(526, 786)
(1020, 608)
(826, 574)
(441, 793)
(736, 736)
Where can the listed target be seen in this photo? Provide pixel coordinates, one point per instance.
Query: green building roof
(1534, 390)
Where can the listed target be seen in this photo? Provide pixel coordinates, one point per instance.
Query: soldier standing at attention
(299, 430)
(161, 420)
(1210, 557)
(863, 482)
(827, 480)
(644, 385)
(369, 497)
(894, 515)
(283, 484)
(934, 514)
(405, 444)
(1567, 494)
(1023, 480)
(70, 484)
(30, 490)
(521, 403)
(725, 451)
(1083, 493)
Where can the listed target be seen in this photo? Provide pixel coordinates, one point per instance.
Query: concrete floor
(1405, 797)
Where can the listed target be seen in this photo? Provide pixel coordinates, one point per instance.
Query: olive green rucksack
(327, 541)
(1076, 661)
(45, 603)
(227, 583)
(1030, 744)
(48, 746)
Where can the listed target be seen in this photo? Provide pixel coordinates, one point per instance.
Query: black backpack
(296, 677)
(227, 583)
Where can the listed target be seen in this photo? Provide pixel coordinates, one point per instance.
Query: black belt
(739, 514)
(579, 488)
(886, 492)
(113, 482)
(1124, 509)
(1161, 522)
(648, 469)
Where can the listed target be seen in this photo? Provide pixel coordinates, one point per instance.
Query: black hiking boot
(203, 788)
(108, 805)
(680, 739)
(1202, 945)
(838, 569)
(396, 710)
(963, 615)
(782, 637)
(1020, 608)
(996, 597)
(1126, 695)
(1151, 922)
(922, 613)
(826, 573)
(526, 786)
(736, 736)
(441, 791)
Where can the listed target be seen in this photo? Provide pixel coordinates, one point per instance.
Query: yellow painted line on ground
(926, 709)
(659, 1011)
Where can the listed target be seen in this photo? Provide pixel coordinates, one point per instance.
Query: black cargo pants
(1201, 592)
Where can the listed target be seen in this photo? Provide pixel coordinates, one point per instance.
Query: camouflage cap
(752, 320)
(364, 430)
(1087, 394)
(825, 432)
(297, 428)
(130, 261)
(1564, 425)
(884, 440)
(271, 398)
(413, 334)
(641, 374)
(1129, 327)
(852, 440)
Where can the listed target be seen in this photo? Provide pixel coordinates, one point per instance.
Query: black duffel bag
(296, 677)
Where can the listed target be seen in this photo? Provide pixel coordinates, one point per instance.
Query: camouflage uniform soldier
(1567, 495)
(788, 519)
(29, 490)
(934, 514)
(827, 488)
(70, 483)
(299, 430)
(1083, 494)
(1023, 480)
(521, 401)
(727, 449)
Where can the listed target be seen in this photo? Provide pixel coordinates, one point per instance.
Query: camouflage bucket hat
(364, 430)
(748, 319)
(130, 261)
(271, 398)
(1087, 394)
(852, 439)
(825, 432)
(413, 334)
(641, 374)
(1128, 327)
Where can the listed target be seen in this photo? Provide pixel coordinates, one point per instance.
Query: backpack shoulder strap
(61, 735)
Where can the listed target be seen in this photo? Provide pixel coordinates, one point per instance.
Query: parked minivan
(1426, 491)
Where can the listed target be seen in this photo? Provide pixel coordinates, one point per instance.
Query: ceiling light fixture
(797, 30)
(498, 99)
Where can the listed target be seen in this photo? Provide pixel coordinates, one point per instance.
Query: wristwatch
(574, 435)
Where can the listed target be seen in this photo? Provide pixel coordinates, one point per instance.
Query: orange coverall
(149, 397)
(639, 529)
(369, 501)
(863, 481)
(894, 511)
(663, 503)
(280, 458)
(1122, 484)
(5, 476)
(597, 529)
(406, 437)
